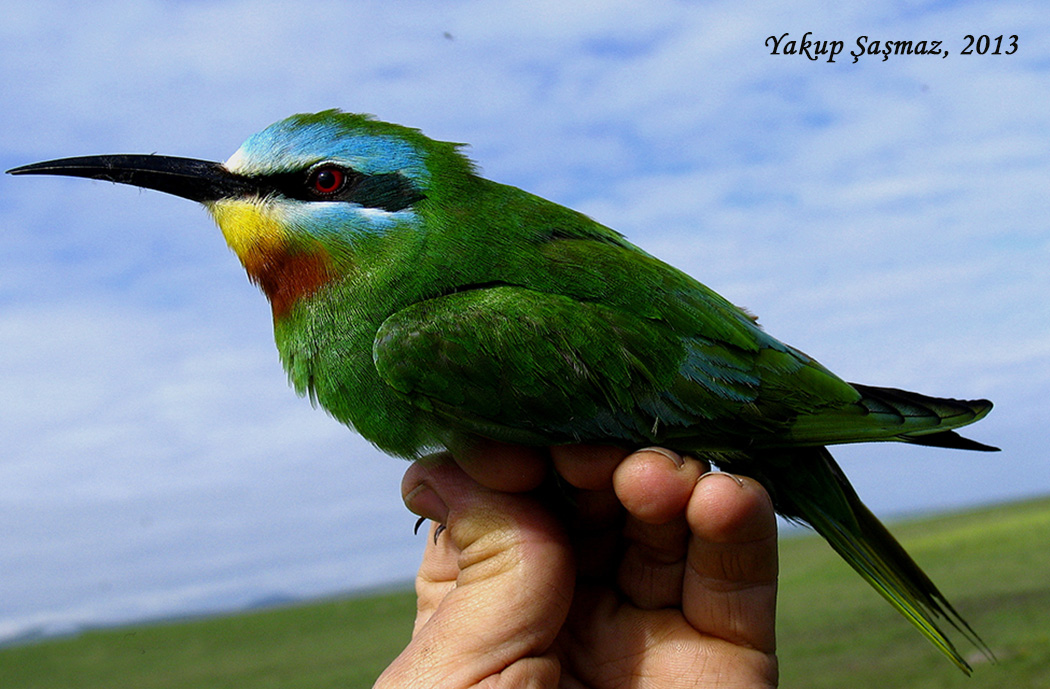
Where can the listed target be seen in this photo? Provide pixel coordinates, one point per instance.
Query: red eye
(327, 180)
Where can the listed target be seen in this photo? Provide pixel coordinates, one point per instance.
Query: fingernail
(736, 479)
(427, 504)
(675, 458)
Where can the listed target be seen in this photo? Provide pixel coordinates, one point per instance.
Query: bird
(426, 306)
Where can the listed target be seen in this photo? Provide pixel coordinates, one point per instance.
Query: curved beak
(197, 180)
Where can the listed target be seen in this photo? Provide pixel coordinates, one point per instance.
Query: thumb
(494, 587)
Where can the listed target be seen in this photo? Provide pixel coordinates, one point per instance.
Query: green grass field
(993, 564)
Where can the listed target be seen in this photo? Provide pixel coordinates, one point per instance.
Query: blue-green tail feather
(807, 485)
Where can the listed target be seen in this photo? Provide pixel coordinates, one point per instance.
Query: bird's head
(295, 198)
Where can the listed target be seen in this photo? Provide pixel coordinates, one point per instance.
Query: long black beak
(197, 180)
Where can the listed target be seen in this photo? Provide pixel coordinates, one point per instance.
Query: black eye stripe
(389, 191)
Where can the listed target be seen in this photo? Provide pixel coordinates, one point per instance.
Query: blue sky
(887, 217)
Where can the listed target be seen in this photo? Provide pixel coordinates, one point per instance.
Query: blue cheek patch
(345, 220)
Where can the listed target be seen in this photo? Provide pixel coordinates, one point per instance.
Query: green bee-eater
(423, 306)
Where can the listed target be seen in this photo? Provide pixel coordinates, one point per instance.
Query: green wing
(529, 366)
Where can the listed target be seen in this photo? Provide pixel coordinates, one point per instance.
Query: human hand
(655, 578)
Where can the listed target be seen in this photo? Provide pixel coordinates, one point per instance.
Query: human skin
(661, 575)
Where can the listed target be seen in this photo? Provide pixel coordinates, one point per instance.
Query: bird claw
(437, 531)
